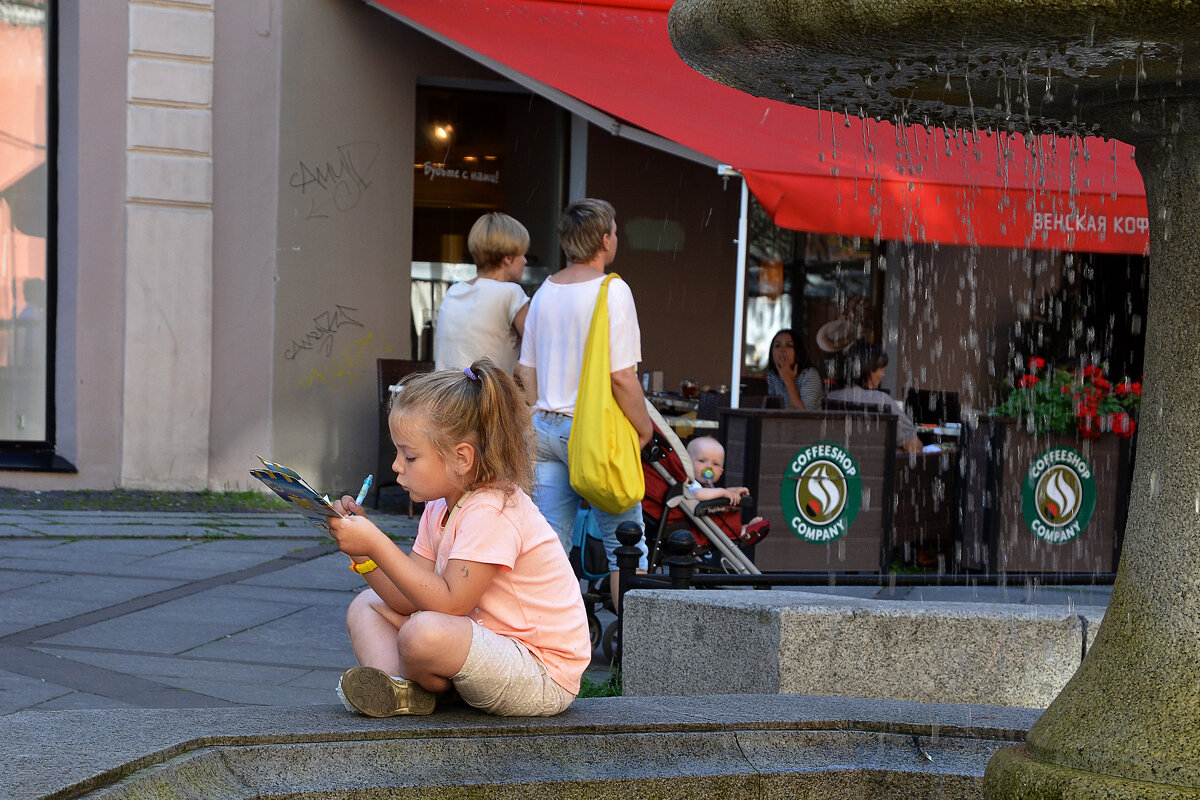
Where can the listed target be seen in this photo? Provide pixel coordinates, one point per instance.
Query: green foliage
(610, 687)
(138, 500)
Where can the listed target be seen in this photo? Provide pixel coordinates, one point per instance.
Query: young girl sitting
(486, 602)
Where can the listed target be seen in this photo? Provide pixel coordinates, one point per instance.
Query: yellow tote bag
(603, 453)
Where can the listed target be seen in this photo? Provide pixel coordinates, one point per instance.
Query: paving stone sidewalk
(183, 610)
(174, 610)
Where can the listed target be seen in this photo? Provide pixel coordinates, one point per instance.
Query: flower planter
(1050, 503)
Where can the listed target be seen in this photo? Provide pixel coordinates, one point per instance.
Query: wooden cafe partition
(760, 447)
(1001, 504)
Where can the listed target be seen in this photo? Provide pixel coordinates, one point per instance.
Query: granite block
(680, 642)
(967, 653)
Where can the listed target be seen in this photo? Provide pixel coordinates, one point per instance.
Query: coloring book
(288, 484)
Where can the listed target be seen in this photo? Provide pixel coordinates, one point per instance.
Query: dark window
(480, 151)
(822, 286)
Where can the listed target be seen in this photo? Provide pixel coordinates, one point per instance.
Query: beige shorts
(501, 677)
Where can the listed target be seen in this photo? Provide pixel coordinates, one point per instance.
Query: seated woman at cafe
(790, 375)
(865, 366)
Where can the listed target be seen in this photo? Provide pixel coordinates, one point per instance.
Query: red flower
(1123, 424)
(1036, 363)
(1084, 405)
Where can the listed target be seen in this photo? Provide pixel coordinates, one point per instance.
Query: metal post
(681, 563)
(628, 556)
(739, 294)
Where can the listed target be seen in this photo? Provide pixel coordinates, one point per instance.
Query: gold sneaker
(374, 693)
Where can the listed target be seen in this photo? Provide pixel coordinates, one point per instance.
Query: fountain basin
(736, 745)
(1126, 70)
(1003, 65)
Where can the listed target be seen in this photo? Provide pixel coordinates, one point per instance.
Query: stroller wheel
(595, 631)
(612, 642)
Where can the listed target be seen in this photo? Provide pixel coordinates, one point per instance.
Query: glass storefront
(25, 307)
(820, 285)
(480, 151)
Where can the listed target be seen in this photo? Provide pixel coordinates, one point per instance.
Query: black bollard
(628, 555)
(681, 563)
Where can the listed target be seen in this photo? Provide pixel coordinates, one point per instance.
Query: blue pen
(366, 487)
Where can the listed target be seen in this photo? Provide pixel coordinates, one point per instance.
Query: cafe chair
(391, 372)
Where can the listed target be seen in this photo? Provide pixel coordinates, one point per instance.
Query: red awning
(821, 171)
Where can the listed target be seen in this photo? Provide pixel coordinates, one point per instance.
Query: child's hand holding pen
(355, 534)
(345, 506)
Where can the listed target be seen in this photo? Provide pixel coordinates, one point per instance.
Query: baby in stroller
(675, 500)
(708, 464)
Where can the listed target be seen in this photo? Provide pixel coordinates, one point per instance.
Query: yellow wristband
(364, 567)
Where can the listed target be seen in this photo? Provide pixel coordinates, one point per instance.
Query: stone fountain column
(1128, 723)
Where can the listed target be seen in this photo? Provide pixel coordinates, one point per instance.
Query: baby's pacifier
(708, 474)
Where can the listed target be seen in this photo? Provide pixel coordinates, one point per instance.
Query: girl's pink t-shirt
(535, 596)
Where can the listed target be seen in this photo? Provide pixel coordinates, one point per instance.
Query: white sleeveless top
(475, 320)
(556, 331)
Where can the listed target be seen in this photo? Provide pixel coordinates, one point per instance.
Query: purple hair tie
(470, 374)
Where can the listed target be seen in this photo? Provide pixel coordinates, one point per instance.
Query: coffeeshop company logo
(822, 492)
(1059, 495)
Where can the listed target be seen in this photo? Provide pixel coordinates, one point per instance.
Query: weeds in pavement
(610, 687)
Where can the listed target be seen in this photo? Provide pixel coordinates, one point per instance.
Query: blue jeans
(554, 496)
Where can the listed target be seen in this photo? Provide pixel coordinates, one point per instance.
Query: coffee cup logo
(821, 493)
(1059, 495)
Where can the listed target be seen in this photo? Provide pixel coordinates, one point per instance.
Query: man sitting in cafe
(865, 367)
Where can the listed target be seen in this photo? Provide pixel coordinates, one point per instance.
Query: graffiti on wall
(338, 184)
(320, 338)
(355, 362)
(342, 347)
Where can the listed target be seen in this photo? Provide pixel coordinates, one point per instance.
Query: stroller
(589, 559)
(669, 506)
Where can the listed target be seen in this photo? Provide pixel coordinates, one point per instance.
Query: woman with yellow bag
(590, 430)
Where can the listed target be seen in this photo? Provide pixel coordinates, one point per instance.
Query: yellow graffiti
(354, 363)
